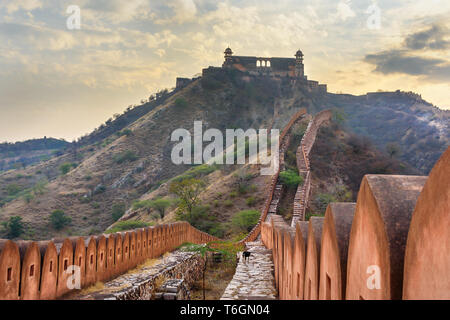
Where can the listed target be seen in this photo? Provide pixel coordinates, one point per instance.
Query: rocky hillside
(126, 162)
(401, 121)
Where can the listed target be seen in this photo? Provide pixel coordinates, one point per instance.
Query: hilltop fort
(252, 66)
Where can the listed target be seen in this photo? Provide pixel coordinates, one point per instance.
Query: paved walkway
(254, 278)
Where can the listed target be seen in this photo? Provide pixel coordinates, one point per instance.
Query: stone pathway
(253, 279)
(142, 282)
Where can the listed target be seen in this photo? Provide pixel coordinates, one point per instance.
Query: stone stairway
(253, 279)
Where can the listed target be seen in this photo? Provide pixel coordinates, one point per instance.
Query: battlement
(291, 68)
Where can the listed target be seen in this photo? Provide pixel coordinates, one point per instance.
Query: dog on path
(246, 255)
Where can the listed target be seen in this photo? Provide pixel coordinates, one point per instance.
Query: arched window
(268, 64)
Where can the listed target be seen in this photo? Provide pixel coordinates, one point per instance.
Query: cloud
(115, 11)
(435, 37)
(417, 55)
(16, 5)
(184, 11)
(398, 61)
(344, 11)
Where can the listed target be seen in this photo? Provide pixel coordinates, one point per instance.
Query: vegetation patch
(127, 225)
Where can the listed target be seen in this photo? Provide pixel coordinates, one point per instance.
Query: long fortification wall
(301, 197)
(42, 270)
(391, 244)
(274, 192)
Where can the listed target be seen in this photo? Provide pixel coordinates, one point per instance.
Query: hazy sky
(63, 83)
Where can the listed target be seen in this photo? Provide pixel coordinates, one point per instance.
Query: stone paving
(254, 279)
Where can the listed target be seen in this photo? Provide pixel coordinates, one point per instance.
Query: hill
(126, 162)
(25, 153)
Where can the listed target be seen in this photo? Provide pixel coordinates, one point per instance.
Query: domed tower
(228, 57)
(299, 68)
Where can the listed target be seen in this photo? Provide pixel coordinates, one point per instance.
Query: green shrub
(13, 189)
(250, 201)
(201, 218)
(125, 132)
(59, 220)
(322, 200)
(215, 203)
(95, 205)
(66, 167)
(181, 103)
(117, 211)
(126, 156)
(14, 227)
(28, 197)
(233, 194)
(245, 220)
(228, 203)
(290, 178)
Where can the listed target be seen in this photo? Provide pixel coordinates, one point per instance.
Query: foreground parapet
(9, 270)
(312, 258)
(427, 257)
(334, 248)
(378, 236)
(298, 265)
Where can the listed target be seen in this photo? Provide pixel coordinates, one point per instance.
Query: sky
(60, 81)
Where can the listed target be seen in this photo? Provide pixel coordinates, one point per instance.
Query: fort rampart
(42, 269)
(393, 243)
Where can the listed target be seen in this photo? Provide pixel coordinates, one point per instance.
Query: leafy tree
(338, 116)
(117, 211)
(59, 219)
(188, 192)
(160, 205)
(290, 178)
(181, 103)
(66, 167)
(245, 220)
(14, 227)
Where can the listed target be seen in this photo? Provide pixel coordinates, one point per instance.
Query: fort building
(291, 68)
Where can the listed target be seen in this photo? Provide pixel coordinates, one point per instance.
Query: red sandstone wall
(427, 257)
(39, 270)
(257, 228)
(371, 233)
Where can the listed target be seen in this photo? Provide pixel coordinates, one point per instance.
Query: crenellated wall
(271, 195)
(40, 270)
(392, 244)
(301, 197)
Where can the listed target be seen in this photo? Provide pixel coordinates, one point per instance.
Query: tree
(393, 149)
(245, 220)
(338, 116)
(117, 211)
(65, 168)
(59, 219)
(14, 227)
(160, 205)
(188, 191)
(290, 178)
